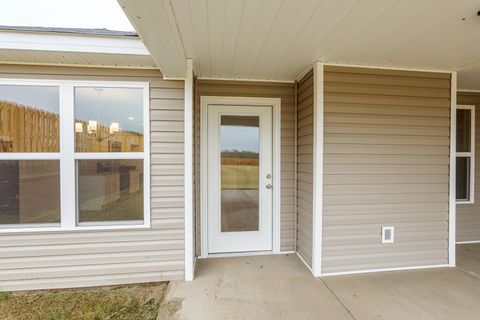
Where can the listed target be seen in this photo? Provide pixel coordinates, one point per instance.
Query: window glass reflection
(29, 191)
(108, 119)
(110, 190)
(29, 118)
(464, 130)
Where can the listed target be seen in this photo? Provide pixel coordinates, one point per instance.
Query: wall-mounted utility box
(388, 234)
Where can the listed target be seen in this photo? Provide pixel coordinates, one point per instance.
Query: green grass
(4, 296)
(239, 177)
(134, 302)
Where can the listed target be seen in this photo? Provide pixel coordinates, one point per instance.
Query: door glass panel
(239, 145)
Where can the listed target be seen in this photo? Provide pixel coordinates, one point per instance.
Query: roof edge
(71, 31)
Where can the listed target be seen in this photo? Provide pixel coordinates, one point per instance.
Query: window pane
(108, 119)
(463, 178)
(29, 119)
(240, 173)
(29, 191)
(110, 190)
(463, 130)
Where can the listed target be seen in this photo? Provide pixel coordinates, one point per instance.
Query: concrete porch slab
(281, 287)
(261, 287)
(468, 258)
(434, 294)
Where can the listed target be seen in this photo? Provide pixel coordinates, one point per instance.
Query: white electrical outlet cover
(388, 234)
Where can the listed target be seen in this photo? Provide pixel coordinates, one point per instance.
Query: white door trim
(240, 241)
(275, 103)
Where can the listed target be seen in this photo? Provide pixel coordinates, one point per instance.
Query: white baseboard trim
(304, 262)
(243, 254)
(468, 242)
(385, 270)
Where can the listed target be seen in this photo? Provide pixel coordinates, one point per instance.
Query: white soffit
(73, 49)
(279, 39)
(155, 22)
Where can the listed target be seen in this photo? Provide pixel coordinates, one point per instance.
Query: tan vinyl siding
(386, 163)
(88, 258)
(284, 91)
(468, 215)
(305, 167)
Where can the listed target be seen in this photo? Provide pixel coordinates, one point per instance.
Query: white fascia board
(71, 43)
(156, 24)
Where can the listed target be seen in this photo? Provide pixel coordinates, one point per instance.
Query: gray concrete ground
(280, 287)
(468, 259)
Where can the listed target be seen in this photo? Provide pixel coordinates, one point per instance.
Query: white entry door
(239, 178)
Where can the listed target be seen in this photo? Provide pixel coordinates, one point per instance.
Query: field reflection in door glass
(239, 173)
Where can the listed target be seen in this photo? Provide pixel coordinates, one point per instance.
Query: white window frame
(470, 155)
(68, 157)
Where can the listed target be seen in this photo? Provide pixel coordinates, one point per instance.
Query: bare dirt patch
(132, 302)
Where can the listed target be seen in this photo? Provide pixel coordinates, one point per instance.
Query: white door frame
(275, 103)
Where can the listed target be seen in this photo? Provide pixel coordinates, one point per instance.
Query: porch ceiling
(279, 39)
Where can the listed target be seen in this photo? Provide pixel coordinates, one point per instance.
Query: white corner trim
(275, 103)
(188, 174)
(203, 179)
(330, 274)
(295, 177)
(452, 188)
(317, 169)
(71, 43)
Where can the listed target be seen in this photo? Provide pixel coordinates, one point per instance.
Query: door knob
(269, 186)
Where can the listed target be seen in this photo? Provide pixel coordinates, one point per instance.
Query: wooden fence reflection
(27, 129)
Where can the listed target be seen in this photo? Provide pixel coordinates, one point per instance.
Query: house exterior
(226, 129)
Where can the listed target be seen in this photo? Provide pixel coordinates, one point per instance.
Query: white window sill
(29, 229)
(464, 202)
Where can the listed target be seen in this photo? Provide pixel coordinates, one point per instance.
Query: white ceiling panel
(279, 39)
